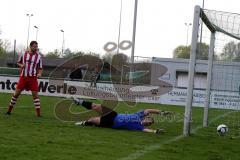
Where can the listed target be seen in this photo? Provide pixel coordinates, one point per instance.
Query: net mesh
(225, 83)
(225, 22)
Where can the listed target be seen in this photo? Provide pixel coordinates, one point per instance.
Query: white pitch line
(153, 147)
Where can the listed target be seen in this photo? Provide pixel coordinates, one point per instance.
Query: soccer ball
(222, 129)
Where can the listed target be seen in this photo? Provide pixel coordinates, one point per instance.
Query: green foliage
(115, 59)
(54, 54)
(203, 51)
(93, 54)
(79, 53)
(107, 57)
(184, 51)
(119, 59)
(231, 51)
(2, 52)
(4, 45)
(68, 53)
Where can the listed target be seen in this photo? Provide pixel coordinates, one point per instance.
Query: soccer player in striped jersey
(30, 64)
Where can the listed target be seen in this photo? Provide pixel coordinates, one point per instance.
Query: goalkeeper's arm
(157, 131)
(156, 111)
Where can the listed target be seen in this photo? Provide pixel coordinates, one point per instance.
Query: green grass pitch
(26, 137)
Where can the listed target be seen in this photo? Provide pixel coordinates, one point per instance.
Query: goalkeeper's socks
(88, 123)
(77, 101)
(84, 103)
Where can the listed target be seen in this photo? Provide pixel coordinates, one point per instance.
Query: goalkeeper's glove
(159, 131)
(166, 113)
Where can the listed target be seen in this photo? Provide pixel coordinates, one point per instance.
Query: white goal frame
(192, 63)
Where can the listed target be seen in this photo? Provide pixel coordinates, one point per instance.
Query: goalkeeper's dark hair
(149, 119)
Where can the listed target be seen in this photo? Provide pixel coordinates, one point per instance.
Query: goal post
(192, 64)
(209, 79)
(222, 89)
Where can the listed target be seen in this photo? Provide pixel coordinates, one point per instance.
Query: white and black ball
(222, 129)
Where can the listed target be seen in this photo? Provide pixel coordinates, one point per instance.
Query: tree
(119, 60)
(204, 51)
(184, 51)
(5, 44)
(231, 51)
(68, 53)
(54, 54)
(79, 53)
(2, 52)
(107, 57)
(93, 54)
(20, 48)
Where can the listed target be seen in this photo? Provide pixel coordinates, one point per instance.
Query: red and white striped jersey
(32, 62)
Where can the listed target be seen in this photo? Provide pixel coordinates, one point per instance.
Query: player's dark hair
(149, 119)
(32, 43)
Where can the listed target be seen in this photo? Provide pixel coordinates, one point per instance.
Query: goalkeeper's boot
(81, 123)
(77, 101)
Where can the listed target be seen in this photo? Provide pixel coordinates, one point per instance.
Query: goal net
(220, 32)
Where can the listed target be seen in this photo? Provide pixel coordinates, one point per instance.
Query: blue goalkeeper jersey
(129, 121)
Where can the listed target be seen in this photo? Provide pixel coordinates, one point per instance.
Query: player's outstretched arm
(157, 131)
(156, 111)
(151, 111)
(149, 130)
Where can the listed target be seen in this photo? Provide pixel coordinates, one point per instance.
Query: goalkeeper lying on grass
(111, 119)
